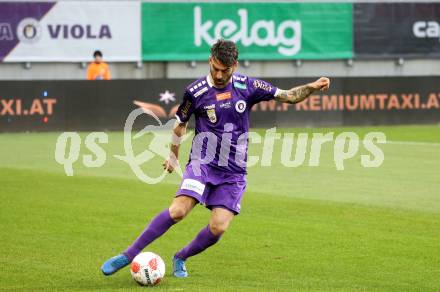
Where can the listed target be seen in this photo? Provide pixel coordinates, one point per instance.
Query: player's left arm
(299, 93)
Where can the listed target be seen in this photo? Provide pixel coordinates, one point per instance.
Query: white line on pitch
(413, 143)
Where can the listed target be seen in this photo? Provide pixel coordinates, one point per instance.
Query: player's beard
(221, 82)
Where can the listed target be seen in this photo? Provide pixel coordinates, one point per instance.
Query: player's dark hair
(225, 51)
(97, 53)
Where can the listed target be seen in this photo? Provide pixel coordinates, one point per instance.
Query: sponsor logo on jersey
(211, 115)
(201, 91)
(240, 106)
(262, 85)
(240, 85)
(185, 109)
(225, 104)
(223, 96)
(207, 107)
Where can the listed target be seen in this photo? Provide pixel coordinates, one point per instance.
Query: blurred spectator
(98, 70)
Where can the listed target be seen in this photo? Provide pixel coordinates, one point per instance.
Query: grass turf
(304, 228)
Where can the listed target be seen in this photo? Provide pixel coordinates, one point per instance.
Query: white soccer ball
(147, 269)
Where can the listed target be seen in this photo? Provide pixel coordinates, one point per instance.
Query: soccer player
(215, 175)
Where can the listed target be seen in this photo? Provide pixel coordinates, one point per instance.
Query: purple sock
(158, 226)
(203, 240)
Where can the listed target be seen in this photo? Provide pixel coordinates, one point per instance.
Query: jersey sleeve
(186, 108)
(260, 90)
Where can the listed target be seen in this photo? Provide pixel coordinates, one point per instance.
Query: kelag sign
(185, 31)
(94, 105)
(69, 30)
(397, 29)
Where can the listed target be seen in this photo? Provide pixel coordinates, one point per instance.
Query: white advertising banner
(70, 31)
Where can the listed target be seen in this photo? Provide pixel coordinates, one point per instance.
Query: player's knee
(177, 213)
(180, 207)
(218, 228)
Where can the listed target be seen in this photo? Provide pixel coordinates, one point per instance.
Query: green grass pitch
(305, 228)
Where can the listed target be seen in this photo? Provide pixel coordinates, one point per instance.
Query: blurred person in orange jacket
(98, 70)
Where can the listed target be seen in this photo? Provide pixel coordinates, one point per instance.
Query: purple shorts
(213, 188)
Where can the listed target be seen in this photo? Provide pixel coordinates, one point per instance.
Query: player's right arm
(184, 112)
(173, 160)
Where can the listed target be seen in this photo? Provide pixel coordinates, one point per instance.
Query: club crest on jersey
(211, 115)
(240, 106)
(223, 96)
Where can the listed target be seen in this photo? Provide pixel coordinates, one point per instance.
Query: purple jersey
(222, 119)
